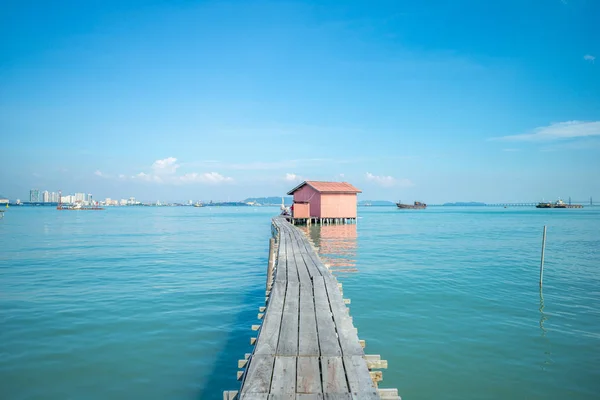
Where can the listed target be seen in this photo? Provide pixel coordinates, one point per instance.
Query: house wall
(338, 205)
(307, 193)
(301, 210)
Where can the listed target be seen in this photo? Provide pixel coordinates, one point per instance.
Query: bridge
(307, 346)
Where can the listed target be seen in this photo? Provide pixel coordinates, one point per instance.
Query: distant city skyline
(437, 101)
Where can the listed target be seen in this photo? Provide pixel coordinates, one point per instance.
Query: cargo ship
(417, 205)
(557, 204)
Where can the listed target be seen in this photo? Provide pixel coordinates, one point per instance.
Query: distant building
(79, 197)
(54, 197)
(34, 195)
(323, 200)
(46, 196)
(123, 202)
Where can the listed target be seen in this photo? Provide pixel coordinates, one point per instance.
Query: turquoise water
(157, 303)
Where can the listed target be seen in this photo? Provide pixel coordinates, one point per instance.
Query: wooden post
(271, 262)
(542, 261)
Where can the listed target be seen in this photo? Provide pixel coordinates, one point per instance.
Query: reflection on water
(336, 245)
(543, 318)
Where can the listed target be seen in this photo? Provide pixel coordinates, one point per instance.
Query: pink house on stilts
(324, 202)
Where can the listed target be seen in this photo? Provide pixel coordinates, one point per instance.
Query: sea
(158, 302)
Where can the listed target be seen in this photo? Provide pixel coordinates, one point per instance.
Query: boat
(198, 205)
(417, 205)
(77, 206)
(557, 204)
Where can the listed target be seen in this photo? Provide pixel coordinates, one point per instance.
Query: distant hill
(270, 201)
(376, 203)
(465, 204)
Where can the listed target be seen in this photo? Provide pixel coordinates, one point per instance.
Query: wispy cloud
(165, 166)
(207, 177)
(589, 57)
(270, 165)
(164, 171)
(289, 177)
(388, 181)
(557, 131)
(583, 144)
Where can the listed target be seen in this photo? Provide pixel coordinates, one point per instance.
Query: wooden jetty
(306, 347)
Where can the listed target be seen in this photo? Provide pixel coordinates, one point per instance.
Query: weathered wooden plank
(230, 395)
(345, 329)
(268, 338)
(284, 376)
(308, 341)
(281, 268)
(254, 396)
(308, 255)
(303, 275)
(328, 341)
(389, 394)
(338, 396)
(359, 380)
(308, 375)
(277, 297)
(374, 361)
(288, 336)
(292, 267)
(311, 396)
(333, 375)
(258, 375)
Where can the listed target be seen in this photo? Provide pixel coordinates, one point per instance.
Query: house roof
(328, 187)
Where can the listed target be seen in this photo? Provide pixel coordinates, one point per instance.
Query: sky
(214, 100)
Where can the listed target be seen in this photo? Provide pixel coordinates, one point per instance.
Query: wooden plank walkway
(307, 346)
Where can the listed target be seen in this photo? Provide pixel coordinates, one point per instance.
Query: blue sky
(173, 100)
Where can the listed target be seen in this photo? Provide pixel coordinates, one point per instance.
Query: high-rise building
(34, 195)
(79, 197)
(54, 197)
(46, 196)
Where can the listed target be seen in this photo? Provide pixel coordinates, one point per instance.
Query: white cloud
(557, 131)
(121, 176)
(207, 177)
(292, 177)
(98, 173)
(165, 172)
(388, 181)
(589, 57)
(165, 166)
